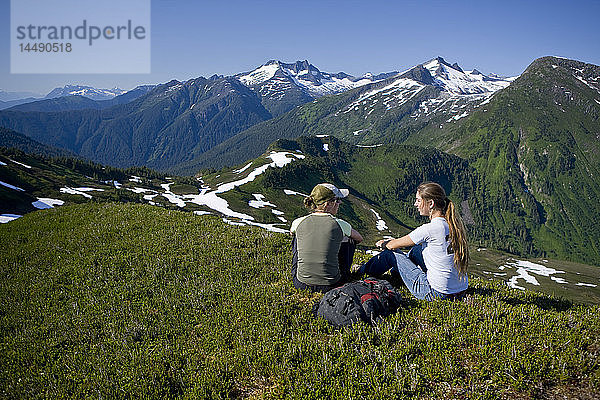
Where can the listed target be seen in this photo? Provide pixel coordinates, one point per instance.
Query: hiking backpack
(368, 300)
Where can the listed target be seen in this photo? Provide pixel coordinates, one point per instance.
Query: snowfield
(45, 203)
(4, 218)
(80, 191)
(526, 270)
(8, 185)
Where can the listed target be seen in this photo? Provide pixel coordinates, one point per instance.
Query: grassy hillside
(38, 176)
(134, 301)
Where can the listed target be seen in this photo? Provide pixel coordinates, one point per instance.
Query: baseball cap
(326, 191)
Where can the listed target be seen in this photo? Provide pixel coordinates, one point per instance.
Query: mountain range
(387, 111)
(170, 126)
(175, 122)
(526, 167)
(85, 91)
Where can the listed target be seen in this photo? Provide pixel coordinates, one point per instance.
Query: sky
(201, 38)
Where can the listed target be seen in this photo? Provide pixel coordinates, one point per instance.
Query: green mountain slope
(141, 302)
(252, 142)
(12, 139)
(538, 146)
(172, 123)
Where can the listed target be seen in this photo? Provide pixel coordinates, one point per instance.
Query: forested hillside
(387, 177)
(538, 146)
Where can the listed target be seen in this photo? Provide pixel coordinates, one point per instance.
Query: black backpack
(368, 300)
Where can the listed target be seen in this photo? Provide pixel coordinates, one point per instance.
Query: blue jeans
(411, 269)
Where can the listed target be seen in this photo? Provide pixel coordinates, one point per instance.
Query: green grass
(134, 301)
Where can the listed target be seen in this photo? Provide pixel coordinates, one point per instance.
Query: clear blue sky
(201, 38)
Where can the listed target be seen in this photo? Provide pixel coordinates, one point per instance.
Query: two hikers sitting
(435, 267)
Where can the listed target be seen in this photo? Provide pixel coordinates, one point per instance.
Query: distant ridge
(85, 91)
(72, 102)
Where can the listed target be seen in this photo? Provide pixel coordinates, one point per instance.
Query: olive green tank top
(319, 237)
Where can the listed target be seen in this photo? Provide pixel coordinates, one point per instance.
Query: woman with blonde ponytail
(323, 245)
(436, 265)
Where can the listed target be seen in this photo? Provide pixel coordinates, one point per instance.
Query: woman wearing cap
(323, 245)
(436, 266)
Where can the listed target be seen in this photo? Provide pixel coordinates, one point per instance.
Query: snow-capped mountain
(272, 78)
(427, 91)
(456, 81)
(85, 91)
(402, 108)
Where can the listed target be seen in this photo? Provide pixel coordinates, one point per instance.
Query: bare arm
(357, 237)
(404, 241)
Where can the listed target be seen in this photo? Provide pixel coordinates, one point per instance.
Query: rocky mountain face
(283, 86)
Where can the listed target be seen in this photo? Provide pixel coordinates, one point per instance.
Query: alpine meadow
(146, 249)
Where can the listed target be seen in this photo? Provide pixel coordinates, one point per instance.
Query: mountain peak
(295, 66)
(441, 60)
(457, 67)
(299, 66)
(453, 79)
(419, 74)
(86, 91)
(276, 77)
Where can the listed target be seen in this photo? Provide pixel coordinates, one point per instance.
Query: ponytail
(458, 238)
(309, 203)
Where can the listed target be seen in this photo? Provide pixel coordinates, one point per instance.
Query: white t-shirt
(439, 257)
